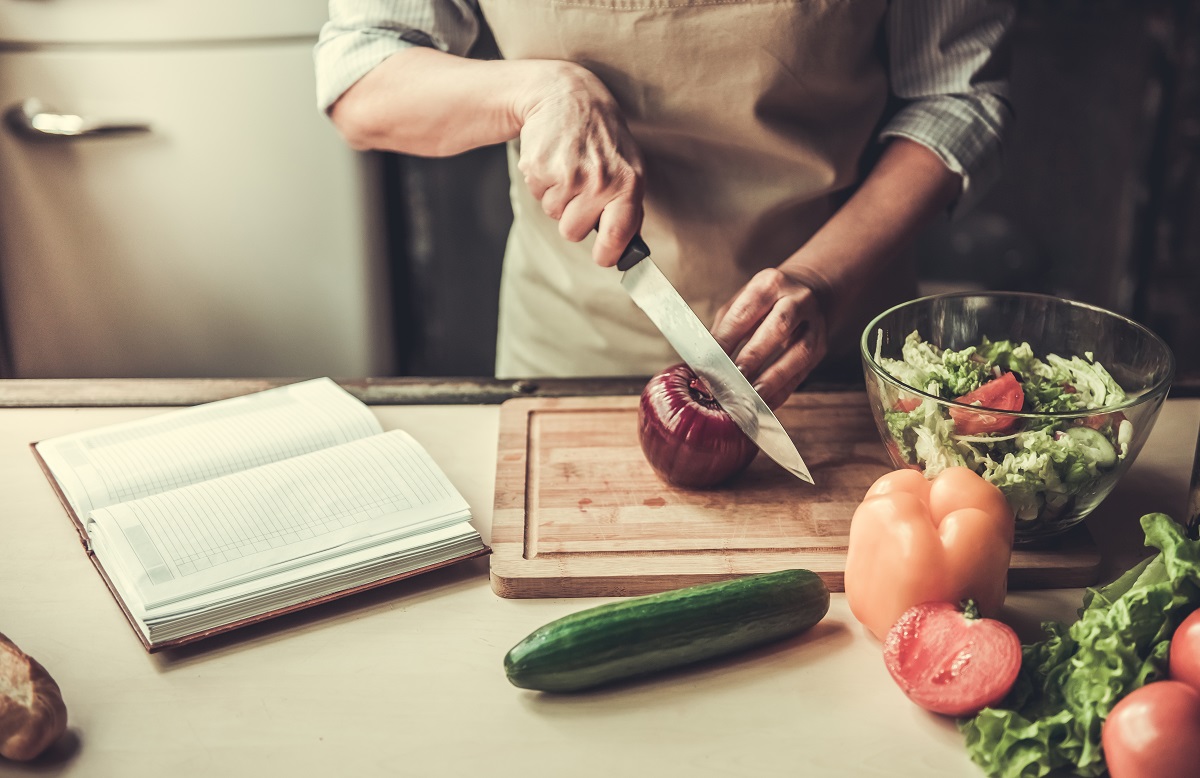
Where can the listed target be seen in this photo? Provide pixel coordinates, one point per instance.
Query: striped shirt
(941, 54)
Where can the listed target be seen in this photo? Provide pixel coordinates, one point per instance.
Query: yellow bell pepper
(914, 540)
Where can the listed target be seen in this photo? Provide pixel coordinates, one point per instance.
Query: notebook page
(123, 462)
(285, 515)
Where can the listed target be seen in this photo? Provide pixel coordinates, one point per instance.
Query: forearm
(577, 156)
(902, 194)
(425, 102)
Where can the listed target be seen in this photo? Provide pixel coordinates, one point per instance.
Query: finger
(619, 222)
(537, 187)
(743, 315)
(555, 199)
(775, 399)
(536, 177)
(782, 376)
(579, 217)
(795, 365)
(778, 330)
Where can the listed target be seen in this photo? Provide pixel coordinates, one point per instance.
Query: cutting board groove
(580, 513)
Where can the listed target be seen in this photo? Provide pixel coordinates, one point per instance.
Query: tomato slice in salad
(1000, 394)
(1103, 420)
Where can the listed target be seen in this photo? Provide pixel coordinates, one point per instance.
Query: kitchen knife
(654, 294)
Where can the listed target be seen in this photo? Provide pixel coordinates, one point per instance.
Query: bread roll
(32, 713)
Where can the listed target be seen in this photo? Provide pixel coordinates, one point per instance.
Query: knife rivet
(525, 387)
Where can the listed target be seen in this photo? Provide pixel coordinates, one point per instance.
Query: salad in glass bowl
(1048, 399)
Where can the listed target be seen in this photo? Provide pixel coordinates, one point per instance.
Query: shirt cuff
(964, 131)
(342, 57)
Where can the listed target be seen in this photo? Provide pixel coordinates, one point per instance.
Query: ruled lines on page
(180, 448)
(231, 527)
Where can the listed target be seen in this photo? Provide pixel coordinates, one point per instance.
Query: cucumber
(1095, 444)
(642, 635)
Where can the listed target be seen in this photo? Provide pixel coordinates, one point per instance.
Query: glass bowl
(1054, 467)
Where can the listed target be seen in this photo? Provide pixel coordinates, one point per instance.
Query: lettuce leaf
(1017, 357)
(1051, 720)
(944, 373)
(1094, 386)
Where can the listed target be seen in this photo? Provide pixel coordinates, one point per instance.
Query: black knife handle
(635, 252)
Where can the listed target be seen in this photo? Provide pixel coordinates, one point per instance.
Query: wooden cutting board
(580, 513)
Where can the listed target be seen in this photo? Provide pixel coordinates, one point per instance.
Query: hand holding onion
(687, 437)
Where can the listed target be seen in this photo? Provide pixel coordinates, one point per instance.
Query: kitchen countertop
(407, 679)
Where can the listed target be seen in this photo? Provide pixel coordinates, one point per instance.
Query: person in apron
(739, 136)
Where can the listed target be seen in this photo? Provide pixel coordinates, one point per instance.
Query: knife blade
(655, 295)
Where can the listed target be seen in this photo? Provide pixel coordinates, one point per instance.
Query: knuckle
(601, 179)
(531, 168)
(571, 231)
(552, 206)
(632, 180)
(784, 320)
(768, 279)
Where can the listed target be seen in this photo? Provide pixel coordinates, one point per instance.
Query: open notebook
(208, 518)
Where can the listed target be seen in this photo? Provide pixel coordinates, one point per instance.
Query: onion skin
(687, 437)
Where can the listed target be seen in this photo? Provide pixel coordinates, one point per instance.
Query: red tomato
(1104, 420)
(1001, 394)
(1185, 652)
(950, 663)
(1154, 732)
(906, 404)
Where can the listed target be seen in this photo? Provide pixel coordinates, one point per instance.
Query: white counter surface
(408, 679)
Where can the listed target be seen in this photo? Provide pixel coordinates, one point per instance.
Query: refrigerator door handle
(30, 118)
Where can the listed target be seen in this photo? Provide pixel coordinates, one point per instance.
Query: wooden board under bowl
(580, 513)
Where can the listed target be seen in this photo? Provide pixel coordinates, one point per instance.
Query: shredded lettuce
(1070, 681)
(1094, 387)
(1041, 471)
(940, 372)
(1017, 357)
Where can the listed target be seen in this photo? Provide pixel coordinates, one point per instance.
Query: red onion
(687, 437)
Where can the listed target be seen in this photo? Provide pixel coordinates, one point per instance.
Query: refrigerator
(172, 202)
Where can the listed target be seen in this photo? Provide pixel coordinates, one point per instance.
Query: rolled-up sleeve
(362, 33)
(949, 73)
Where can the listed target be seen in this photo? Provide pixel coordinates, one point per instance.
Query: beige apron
(750, 115)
